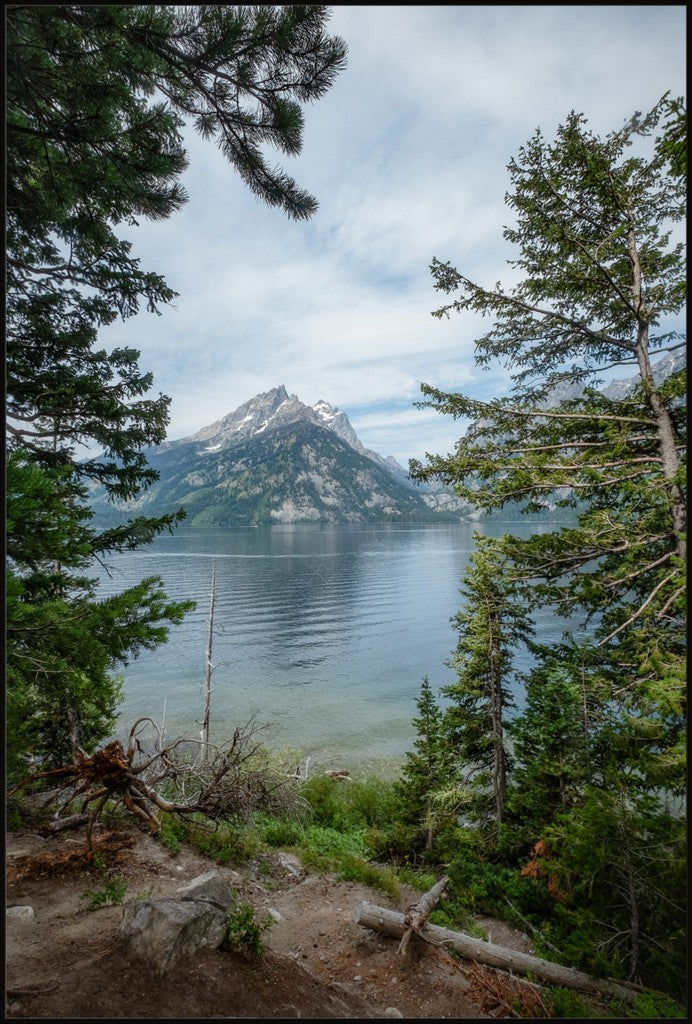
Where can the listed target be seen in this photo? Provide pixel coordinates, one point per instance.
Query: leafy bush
(326, 841)
(243, 931)
(226, 842)
(110, 893)
(279, 832)
(564, 1002)
(358, 804)
(173, 832)
(652, 1006)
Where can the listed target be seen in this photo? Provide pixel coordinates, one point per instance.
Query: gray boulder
(165, 931)
(207, 888)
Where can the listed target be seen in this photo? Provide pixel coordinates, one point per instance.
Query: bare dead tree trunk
(209, 668)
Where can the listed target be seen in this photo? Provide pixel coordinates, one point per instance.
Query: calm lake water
(323, 632)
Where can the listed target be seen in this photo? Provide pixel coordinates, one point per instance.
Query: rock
(210, 888)
(275, 914)
(19, 914)
(391, 1011)
(164, 931)
(290, 863)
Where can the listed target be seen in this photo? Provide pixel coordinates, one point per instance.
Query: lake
(324, 632)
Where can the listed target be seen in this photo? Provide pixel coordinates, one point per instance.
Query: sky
(407, 155)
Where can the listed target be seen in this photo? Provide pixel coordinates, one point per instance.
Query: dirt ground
(65, 962)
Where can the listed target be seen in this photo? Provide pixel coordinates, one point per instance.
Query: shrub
(564, 1002)
(111, 893)
(243, 931)
(278, 832)
(323, 840)
(173, 832)
(652, 1006)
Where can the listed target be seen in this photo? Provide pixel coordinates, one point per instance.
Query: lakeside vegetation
(565, 819)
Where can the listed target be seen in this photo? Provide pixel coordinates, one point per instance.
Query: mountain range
(277, 460)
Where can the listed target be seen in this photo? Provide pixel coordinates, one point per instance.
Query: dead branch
(417, 914)
(231, 781)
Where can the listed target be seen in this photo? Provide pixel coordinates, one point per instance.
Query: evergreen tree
(490, 626)
(602, 276)
(622, 862)
(97, 96)
(425, 771)
(602, 279)
(552, 745)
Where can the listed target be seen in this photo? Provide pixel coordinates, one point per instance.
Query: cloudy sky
(407, 155)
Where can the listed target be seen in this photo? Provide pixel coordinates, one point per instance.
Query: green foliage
(554, 744)
(96, 100)
(110, 893)
(426, 771)
(351, 868)
(593, 291)
(227, 842)
(345, 853)
(623, 862)
(243, 931)
(416, 877)
(492, 623)
(279, 832)
(173, 832)
(358, 804)
(599, 749)
(564, 1002)
(323, 840)
(653, 1006)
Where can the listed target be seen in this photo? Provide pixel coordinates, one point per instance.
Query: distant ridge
(276, 460)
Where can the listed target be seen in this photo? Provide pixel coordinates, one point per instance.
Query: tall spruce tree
(490, 625)
(602, 280)
(97, 96)
(552, 744)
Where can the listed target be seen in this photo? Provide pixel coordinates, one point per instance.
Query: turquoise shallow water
(324, 633)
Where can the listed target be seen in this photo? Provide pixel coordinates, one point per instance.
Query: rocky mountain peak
(276, 408)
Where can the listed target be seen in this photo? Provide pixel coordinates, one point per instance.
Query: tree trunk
(417, 915)
(209, 668)
(498, 776)
(390, 922)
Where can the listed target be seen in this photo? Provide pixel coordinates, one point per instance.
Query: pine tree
(602, 280)
(622, 861)
(491, 624)
(425, 771)
(553, 745)
(97, 96)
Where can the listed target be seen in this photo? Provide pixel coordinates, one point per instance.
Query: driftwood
(225, 784)
(390, 922)
(417, 915)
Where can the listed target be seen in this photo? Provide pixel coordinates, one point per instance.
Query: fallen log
(392, 923)
(64, 824)
(417, 915)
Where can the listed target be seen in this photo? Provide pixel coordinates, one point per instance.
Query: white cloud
(407, 155)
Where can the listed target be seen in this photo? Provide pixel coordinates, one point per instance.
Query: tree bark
(390, 922)
(209, 668)
(416, 916)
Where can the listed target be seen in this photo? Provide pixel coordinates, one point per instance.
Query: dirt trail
(65, 963)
